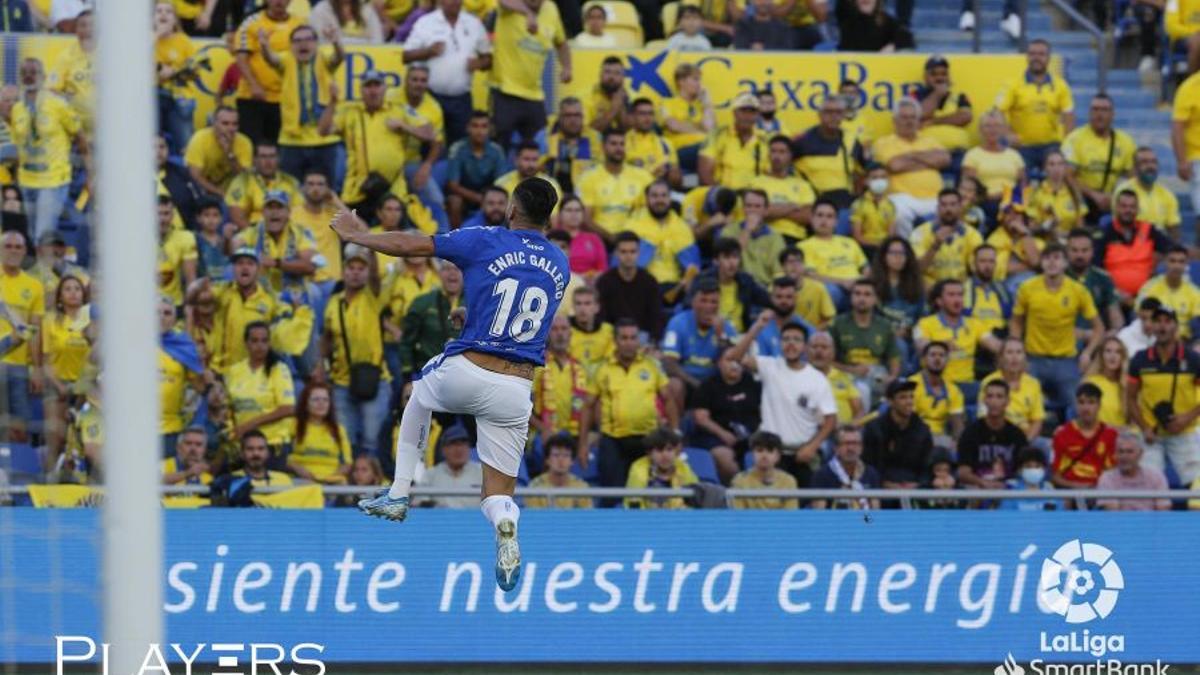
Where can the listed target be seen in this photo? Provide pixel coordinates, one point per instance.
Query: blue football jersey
(513, 282)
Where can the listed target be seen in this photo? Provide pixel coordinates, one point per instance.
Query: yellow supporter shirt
(172, 392)
(649, 151)
(1185, 299)
(26, 300)
(1025, 403)
(1006, 248)
(178, 247)
(65, 347)
(205, 153)
(813, 303)
(998, 171)
(1156, 205)
(543, 481)
(677, 108)
(639, 477)
(560, 390)
(518, 57)
(174, 51)
(71, 76)
(737, 163)
(752, 480)
(1088, 154)
(365, 334)
(613, 198)
(627, 396)
(936, 409)
(292, 241)
(303, 94)
(1112, 401)
(277, 478)
(1182, 18)
(172, 465)
(668, 239)
(1050, 330)
(837, 257)
(963, 339)
(1034, 110)
(248, 190)
(845, 392)
(953, 259)
(401, 287)
(320, 452)
(730, 307)
(316, 226)
(253, 393)
(278, 39)
(233, 313)
(370, 147)
(786, 190)
(593, 348)
(952, 137)
(1058, 204)
(1186, 109)
(985, 305)
(43, 136)
(921, 184)
(874, 217)
(428, 111)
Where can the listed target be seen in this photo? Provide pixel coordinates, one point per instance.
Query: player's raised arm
(353, 230)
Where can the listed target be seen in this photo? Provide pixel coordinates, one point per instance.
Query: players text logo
(1081, 582)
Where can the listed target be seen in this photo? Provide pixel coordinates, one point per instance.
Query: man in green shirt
(427, 324)
(761, 245)
(865, 343)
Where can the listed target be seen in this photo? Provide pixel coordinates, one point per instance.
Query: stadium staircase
(1138, 109)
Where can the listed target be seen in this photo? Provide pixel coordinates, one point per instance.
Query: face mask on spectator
(878, 185)
(1149, 176)
(1033, 475)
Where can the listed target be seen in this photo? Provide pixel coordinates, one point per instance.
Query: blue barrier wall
(625, 586)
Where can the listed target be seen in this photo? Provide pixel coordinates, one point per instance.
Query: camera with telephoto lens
(1163, 412)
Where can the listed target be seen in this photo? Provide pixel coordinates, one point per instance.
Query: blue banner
(715, 586)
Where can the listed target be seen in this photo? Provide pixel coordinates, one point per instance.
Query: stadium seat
(19, 458)
(591, 474)
(623, 22)
(702, 464)
(669, 16)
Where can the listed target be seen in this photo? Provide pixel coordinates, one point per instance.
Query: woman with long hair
(356, 20)
(1108, 373)
(587, 254)
(367, 473)
(321, 449)
(1055, 205)
(896, 274)
(261, 393)
(65, 350)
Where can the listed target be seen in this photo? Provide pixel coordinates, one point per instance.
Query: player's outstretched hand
(348, 225)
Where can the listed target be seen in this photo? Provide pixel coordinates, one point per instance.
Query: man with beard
(985, 298)
(1039, 107)
(646, 149)
(611, 192)
(945, 113)
(692, 340)
(608, 107)
(1080, 254)
(735, 154)
(668, 249)
(1099, 157)
(1161, 399)
(255, 453)
(828, 157)
(768, 118)
(285, 251)
(937, 401)
(962, 335)
(944, 247)
(790, 197)
(1157, 204)
(571, 148)
(783, 303)
(529, 156)
(760, 244)
(1130, 248)
(849, 400)
(797, 401)
(492, 209)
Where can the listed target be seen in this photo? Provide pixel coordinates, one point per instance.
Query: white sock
(500, 507)
(410, 446)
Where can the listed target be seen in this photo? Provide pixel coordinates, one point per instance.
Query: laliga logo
(1064, 583)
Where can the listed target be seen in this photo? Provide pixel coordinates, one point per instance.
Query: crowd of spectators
(809, 307)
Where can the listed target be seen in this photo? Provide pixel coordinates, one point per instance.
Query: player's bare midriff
(500, 365)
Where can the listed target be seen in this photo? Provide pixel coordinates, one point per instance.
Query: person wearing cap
(525, 32)
(897, 443)
(247, 191)
(1018, 251)
(761, 30)
(216, 154)
(797, 401)
(260, 88)
(790, 197)
(176, 253)
(52, 264)
(353, 335)
(612, 191)
(945, 112)
(829, 157)
(285, 251)
(560, 453)
(306, 75)
(1175, 289)
(1039, 107)
(374, 134)
(914, 162)
(1162, 399)
(735, 154)
(240, 301)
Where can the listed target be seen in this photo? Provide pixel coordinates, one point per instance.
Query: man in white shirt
(797, 401)
(453, 44)
(1139, 335)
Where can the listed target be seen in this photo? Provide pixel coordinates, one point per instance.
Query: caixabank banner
(1016, 590)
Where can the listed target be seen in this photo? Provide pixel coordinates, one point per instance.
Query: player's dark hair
(690, 9)
(495, 188)
(866, 283)
(656, 183)
(1089, 390)
(985, 247)
(592, 10)
(939, 288)
(641, 100)
(755, 191)
(661, 438)
(1054, 248)
(480, 114)
(610, 132)
(624, 236)
(1177, 248)
(1127, 193)
(536, 197)
(726, 246)
(780, 138)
